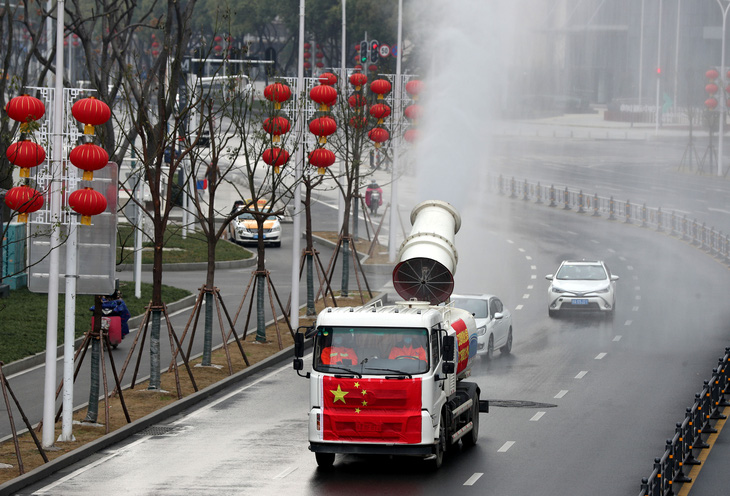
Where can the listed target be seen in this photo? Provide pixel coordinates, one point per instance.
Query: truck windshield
(371, 350)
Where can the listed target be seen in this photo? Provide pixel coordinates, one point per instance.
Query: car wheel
(490, 348)
(507, 348)
(277, 244)
(325, 460)
(471, 438)
(552, 313)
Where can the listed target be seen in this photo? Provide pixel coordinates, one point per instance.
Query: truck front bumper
(374, 448)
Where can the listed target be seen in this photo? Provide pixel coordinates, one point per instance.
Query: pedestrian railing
(707, 239)
(709, 403)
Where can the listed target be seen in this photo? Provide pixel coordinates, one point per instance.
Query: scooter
(374, 202)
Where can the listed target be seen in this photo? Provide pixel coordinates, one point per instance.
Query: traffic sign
(384, 50)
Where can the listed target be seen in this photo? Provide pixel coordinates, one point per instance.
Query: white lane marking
(528, 257)
(521, 250)
(572, 233)
(533, 276)
(635, 309)
(518, 307)
(510, 241)
(533, 267)
(91, 465)
(600, 356)
(638, 288)
(581, 374)
(630, 267)
(561, 394)
(611, 250)
(285, 472)
(623, 259)
(628, 322)
(530, 286)
(506, 446)
(471, 480)
(638, 297)
(617, 338)
(594, 241)
(537, 416)
(525, 296)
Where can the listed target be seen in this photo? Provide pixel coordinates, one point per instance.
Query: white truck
(390, 379)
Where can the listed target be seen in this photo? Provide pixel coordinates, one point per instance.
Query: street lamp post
(723, 100)
(658, 69)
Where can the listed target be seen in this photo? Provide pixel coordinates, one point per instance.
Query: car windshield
(581, 272)
(371, 350)
(476, 306)
(246, 216)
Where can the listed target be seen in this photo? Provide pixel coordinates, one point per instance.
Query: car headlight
(556, 290)
(602, 290)
(481, 331)
(276, 229)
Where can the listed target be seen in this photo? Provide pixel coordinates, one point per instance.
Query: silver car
(582, 285)
(494, 322)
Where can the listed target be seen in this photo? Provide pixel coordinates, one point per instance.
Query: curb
(191, 266)
(137, 426)
(372, 269)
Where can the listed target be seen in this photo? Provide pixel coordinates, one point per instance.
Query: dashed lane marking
(581, 374)
(600, 356)
(525, 296)
(628, 322)
(537, 416)
(518, 307)
(471, 480)
(617, 338)
(506, 446)
(285, 472)
(561, 394)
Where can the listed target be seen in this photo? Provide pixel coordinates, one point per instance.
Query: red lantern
(712, 74)
(276, 157)
(89, 158)
(414, 88)
(307, 65)
(24, 200)
(413, 112)
(373, 68)
(380, 111)
(321, 158)
(319, 55)
(91, 112)
(87, 202)
(25, 108)
(711, 103)
(218, 39)
(411, 135)
(277, 93)
(307, 46)
(358, 80)
(322, 127)
(358, 122)
(357, 100)
(381, 87)
(319, 64)
(328, 78)
(325, 95)
(379, 135)
(25, 154)
(277, 126)
(711, 88)
(307, 55)
(358, 67)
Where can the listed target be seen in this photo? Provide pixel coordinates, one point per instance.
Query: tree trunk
(260, 311)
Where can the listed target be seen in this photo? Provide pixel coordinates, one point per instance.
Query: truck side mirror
(448, 348)
(447, 368)
(298, 364)
(298, 348)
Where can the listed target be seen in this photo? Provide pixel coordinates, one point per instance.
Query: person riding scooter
(373, 197)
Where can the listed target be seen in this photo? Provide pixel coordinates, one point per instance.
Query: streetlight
(723, 77)
(659, 67)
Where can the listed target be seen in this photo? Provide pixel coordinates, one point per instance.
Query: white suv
(581, 285)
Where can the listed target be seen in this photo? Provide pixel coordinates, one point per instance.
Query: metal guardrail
(679, 450)
(707, 239)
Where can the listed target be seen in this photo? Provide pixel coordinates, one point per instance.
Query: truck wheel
(471, 438)
(325, 460)
(438, 459)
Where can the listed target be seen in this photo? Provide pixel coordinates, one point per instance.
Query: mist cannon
(427, 258)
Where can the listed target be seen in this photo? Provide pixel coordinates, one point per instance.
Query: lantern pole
(296, 214)
(396, 141)
(49, 389)
(343, 92)
(658, 69)
(723, 99)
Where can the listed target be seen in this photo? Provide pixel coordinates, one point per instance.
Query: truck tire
(438, 459)
(325, 460)
(471, 437)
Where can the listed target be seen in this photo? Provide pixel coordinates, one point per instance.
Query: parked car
(582, 285)
(245, 230)
(494, 322)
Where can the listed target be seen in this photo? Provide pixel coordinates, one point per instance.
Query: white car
(582, 285)
(245, 230)
(494, 322)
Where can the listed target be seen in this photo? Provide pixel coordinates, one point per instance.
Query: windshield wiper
(357, 374)
(399, 372)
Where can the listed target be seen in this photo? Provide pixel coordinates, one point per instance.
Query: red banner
(371, 410)
(462, 338)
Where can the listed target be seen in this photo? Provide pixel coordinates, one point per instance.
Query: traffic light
(374, 47)
(363, 52)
